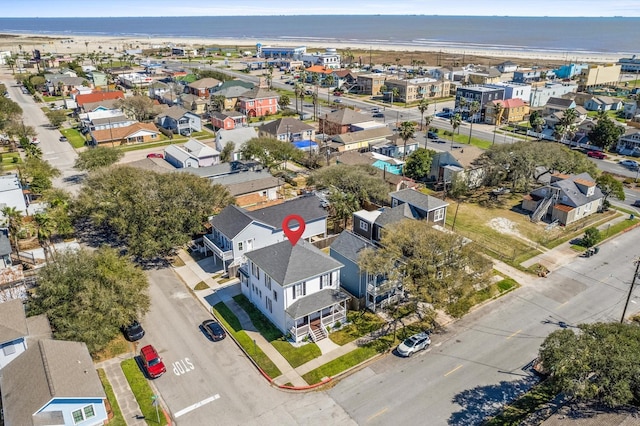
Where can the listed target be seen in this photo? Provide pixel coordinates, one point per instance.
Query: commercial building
(599, 75)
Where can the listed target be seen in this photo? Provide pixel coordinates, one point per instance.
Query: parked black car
(213, 330)
(432, 135)
(133, 331)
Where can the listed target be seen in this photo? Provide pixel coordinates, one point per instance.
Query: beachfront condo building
(599, 75)
(631, 64)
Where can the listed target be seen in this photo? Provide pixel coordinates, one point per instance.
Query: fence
(325, 242)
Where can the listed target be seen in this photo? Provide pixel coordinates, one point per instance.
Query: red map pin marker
(293, 235)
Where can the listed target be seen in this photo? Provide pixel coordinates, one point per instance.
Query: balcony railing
(210, 243)
(339, 314)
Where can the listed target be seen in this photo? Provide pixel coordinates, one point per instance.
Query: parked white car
(413, 344)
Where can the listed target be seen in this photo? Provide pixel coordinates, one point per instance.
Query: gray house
(179, 120)
(236, 231)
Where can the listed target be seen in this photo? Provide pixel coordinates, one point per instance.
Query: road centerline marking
(454, 370)
(196, 405)
(514, 334)
(377, 414)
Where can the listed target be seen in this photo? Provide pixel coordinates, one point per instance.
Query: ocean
(579, 35)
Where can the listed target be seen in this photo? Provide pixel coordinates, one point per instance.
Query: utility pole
(633, 282)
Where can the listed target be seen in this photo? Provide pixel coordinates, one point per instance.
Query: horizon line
(322, 14)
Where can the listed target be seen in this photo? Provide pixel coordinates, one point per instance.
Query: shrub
(591, 237)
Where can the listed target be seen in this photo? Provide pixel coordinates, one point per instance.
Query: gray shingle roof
(231, 221)
(259, 93)
(307, 206)
(395, 215)
(243, 188)
(350, 245)
(231, 92)
(13, 321)
(418, 199)
(284, 125)
(46, 370)
(568, 188)
(315, 302)
(346, 116)
(379, 133)
(287, 264)
(175, 112)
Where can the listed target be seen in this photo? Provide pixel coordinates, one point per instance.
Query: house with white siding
(297, 287)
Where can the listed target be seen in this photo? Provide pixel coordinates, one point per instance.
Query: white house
(180, 158)
(11, 194)
(236, 231)
(297, 287)
(237, 136)
(206, 155)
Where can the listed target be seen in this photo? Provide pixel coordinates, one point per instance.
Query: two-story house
(236, 231)
(204, 87)
(566, 199)
(341, 121)
(297, 287)
(287, 129)
(258, 102)
(481, 94)
(228, 120)
(179, 120)
(238, 137)
(54, 382)
(512, 111)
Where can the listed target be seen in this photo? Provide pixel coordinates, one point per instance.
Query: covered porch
(312, 314)
(219, 246)
(381, 294)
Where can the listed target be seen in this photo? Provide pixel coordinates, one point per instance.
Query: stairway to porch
(317, 331)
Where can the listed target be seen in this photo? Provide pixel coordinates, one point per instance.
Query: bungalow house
(629, 144)
(93, 97)
(558, 105)
(12, 194)
(179, 120)
(231, 91)
(136, 133)
(228, 120)
(204, 87)
(259, 102)
(507, 67)
(13, 331)
(297, 287)
(287, 129)
(565, 199)
(630, 109)
(603, 103)
(360, 140)
(93, 106)
(344, 78)
(62, 85)
(54, 382)
(158, 88)
(236, 231)
(553, 119)
(178, 157)
(394, 146)
(341, 121)
(406, 203)
(446, 165)
(237, 136)
(104, 119)
(513, 111)
(193, 103)
(320, 72)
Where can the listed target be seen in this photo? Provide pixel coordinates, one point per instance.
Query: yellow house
(513, 111)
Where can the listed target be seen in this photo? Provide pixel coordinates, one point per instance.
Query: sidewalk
(126, 400)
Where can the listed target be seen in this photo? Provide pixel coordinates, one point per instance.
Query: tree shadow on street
(481, 402)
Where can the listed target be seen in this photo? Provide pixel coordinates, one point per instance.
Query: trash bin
(631, 217)
(596, 250)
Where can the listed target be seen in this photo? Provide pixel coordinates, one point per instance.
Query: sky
(84, 8)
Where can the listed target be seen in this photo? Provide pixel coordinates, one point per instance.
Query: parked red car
(597, 154)
(155, 155)
(151, 361)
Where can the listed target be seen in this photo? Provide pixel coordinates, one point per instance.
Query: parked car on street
(636, 203)
(378, 115)
(629, 163)
(63, 139)
(213, 330)
(151, 362)
(133, 331)
(155, 155)
(432, 135)
(597, 154)
(413, 344)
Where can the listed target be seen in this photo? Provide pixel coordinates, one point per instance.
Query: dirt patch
(504, 226)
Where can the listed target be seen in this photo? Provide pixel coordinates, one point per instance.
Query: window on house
(268, 304)
(438, 215)
(300, 289)
(240, 246)
(267, 282)
(82, 414)
(364, 225)
(9, 350)
(275, 295)
(323, 278)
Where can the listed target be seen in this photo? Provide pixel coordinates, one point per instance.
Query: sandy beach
(66, 44)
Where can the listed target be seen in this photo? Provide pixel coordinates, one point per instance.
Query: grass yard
(76, 139)
(10, 160)
(142, 391)
(514, 414)
(231, 323)
(117, 419)
(119, 345)
(463, 138)
(296, 356)
(359, 324)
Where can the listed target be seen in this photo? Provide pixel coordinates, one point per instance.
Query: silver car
(413, 344)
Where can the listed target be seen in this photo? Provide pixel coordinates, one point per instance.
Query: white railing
(300, 331)
(339, 314)
(211, 245)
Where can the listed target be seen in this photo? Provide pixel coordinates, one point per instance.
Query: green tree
(595, 363)
(591, 237)
(10, 112)
(423, 106)
(151, 212)
(138, 106)
(270, 152)
(418, 164)
(474, 108)
(497, 117)
(58, 203)
(88, 295)
(455, 121)
(98, 157)
(537, 122)
(610, 186)
(343, 205)
(13, 218)
(227, 152)
(46, 229)
(605, 134)
(363, 181)
(298, 91)
(406, 131)
(283, 101)
(218, 101)
(37, 174)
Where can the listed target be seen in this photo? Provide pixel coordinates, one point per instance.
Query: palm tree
(314, 99)
(395, 92)
(559, 131)
(567, 121)
(474, 108)
(422, 107)
(537, 123)
(455, 121)
(407, 129)
(46, 228)
(427, 122)
(497, 118)
(218, 101)
(31, 150)
(298, 90)
(462, 104)
(14, 219)
(11, 62)
(329, 81)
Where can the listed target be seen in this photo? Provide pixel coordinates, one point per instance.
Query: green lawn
(76, 139)
(463, 138)
(10, 160)
(117, 419)
(359, 324)
(515, 413)
(296, 356)
(231, 323)
(52, 98)
(142, 391)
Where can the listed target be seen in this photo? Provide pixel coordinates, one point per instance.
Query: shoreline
(59, 44)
